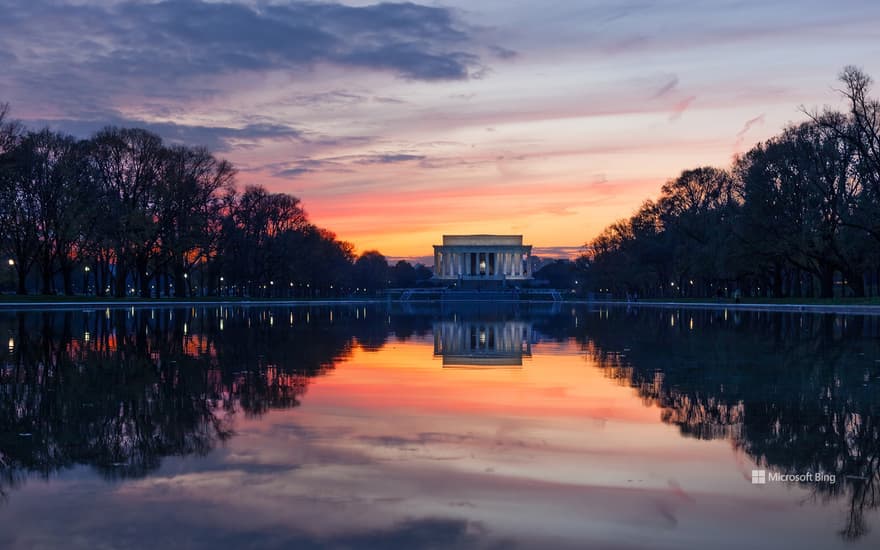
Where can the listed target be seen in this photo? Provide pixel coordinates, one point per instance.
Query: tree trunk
(777, 280)
(877, 282)
(22, 280)
(179, 282)
(46, 286)
(826, 282)
(119, 280)
(67, 277)
(143, 278)
(46, 274)
(102, 278)
(856, 281)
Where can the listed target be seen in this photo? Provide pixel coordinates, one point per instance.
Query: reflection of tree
(798, 393)
(120, 390)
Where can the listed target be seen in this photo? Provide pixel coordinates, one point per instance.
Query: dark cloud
(338, 164)
(412, 60)
(667, 87)
(386, 99)
(191, 38)
(306, 166)
(758, 120)
(333, 98)
(502, 53)
(388, 158)
(294, 172)
(215, 138)
(749, 124)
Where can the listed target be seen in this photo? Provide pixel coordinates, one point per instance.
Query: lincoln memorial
(482, 258)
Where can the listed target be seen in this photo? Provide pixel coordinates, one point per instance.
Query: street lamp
(85, 287)
(12, 271)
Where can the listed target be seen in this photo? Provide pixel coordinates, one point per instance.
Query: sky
(397, 123)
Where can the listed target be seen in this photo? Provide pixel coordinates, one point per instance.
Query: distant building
(482, 258)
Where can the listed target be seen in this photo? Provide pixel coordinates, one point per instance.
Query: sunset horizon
(429, 274)
(397, 123)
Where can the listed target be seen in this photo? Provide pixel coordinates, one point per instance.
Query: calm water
(453, 426)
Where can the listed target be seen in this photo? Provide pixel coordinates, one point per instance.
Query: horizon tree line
(133, 215)
(796, 216)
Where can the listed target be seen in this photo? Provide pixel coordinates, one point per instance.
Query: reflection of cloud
(420, 533)
(287, 480)
(422, 438)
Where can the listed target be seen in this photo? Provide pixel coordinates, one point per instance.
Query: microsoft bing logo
(759, 477)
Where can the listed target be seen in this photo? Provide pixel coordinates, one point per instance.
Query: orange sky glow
(398, 123)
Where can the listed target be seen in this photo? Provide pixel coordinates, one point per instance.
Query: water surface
(454, 425)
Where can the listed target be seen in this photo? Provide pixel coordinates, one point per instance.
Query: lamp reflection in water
(482, 343)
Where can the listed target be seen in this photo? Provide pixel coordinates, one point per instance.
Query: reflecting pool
(438, 425)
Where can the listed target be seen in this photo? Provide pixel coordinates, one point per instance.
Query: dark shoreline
(76, 303)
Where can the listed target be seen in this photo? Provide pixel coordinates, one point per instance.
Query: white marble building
(482, 258)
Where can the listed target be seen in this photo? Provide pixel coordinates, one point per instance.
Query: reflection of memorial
(482, 343)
